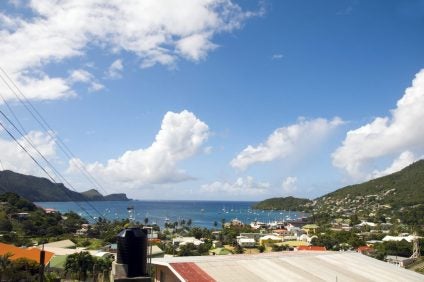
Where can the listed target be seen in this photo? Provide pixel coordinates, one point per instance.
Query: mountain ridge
(39, 189)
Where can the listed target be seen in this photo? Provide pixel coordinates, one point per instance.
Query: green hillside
(400, 194)
(401, 189)
(38, 189)
(93, 195)
(288, 203)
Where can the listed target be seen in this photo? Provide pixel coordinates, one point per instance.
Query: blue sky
(218, 99)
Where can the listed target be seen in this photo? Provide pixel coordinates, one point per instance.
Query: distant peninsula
(38, 189)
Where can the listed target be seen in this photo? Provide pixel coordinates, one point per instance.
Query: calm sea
(202, 213)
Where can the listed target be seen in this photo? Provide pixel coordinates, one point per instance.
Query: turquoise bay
(202, 213)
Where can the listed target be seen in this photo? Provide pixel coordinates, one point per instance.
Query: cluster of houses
(279, 234)
(352, 204)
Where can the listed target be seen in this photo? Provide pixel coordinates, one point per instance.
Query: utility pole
(42, 259)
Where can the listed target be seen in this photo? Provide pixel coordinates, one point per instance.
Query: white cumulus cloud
(400, 134)
(286, 141)
(242, 186)
(289, 185)
(181, 136)
(13, 157)
(405, 158)
(115, 69)
(155, 31)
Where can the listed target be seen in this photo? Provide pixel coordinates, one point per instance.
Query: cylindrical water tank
(132, 251)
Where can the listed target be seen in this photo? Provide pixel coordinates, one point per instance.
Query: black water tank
(132, 251)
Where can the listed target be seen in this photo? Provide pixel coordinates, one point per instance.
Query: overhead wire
(51, 166)
(42, 168)
(43, 123)
(23, 133)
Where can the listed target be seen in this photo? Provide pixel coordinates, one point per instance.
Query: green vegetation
(20, 219)
(82, 265)
(336, 241)
(21, 269)
(288, 203)
(398, 196)
(401, 189)
(37, 189)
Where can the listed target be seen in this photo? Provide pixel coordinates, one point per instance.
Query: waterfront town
(211, 140)
(180, 251)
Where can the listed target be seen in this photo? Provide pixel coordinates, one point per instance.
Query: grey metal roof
(297, 266)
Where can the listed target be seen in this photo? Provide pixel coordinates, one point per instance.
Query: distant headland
(38, 189)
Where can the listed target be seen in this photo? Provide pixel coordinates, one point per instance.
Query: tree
(261, 248)
(238, 249)
(101, 267)
(146, 220)
(5, 224)
(276, 248)
(24, 269)
(188, 250)
(5, 265)
(79, 264)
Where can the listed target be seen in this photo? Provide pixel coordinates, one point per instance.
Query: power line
(39, 118)
(57, 173)
(40, 166)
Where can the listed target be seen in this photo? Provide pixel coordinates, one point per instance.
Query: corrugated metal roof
(296, 266)
(191, 272)
(60, 244)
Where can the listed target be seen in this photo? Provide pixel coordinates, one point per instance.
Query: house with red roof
(28, 253)
(311, 248)
(365, 250)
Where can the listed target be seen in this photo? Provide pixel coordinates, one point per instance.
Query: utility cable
(39, 118)
(39, 165)
(57, 173)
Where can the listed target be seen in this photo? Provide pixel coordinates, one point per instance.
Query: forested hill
(400, 189)
(38, 189)
(288, 203)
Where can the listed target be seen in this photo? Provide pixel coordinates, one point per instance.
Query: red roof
(311, 248)
(280, 230)
(30, 253)
(362, 249)
(191, 272)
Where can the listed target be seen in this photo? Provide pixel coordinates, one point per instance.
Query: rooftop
(290, 266)
(29, 253)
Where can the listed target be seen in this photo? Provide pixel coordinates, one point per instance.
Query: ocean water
(202, 213)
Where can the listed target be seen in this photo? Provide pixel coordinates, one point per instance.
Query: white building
(246, 242)
(408, 238)
(181, 241)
